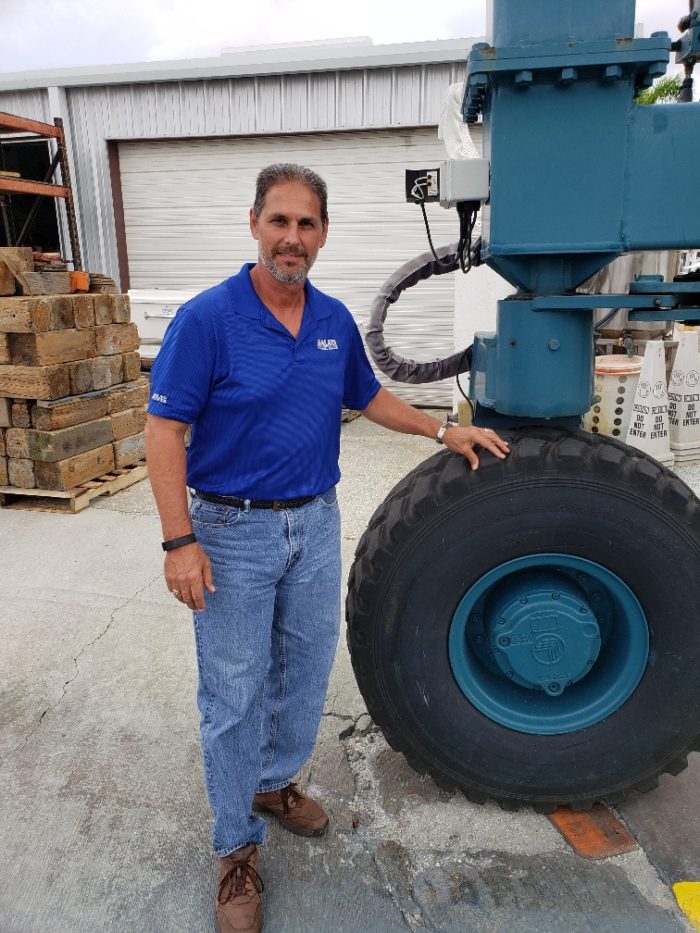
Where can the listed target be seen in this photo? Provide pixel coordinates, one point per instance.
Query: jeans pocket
(329, 498)
(213, 515)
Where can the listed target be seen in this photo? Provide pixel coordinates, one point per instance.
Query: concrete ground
(104, 825)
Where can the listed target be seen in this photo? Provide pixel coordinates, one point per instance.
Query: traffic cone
(684, 400)
(648, 429)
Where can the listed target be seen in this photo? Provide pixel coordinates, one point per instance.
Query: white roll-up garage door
(186, 213)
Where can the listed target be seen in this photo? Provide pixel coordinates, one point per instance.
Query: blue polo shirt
(264, 407)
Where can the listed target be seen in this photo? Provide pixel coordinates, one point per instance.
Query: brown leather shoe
(238, 900)
(295, 811)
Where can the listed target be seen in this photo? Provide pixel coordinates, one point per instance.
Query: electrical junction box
(464, 180)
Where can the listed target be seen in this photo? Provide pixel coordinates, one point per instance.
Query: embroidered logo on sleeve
(163, 399)
(327, 344)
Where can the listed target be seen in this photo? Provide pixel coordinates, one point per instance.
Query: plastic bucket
(615, 384)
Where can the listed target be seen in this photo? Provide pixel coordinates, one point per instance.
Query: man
(260, 366)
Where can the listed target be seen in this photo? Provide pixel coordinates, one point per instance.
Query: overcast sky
(63, 33)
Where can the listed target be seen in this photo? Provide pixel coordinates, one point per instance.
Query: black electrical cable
(467, 211)
(468, 354)
(461, 390)
(608, 317)
(441, 262)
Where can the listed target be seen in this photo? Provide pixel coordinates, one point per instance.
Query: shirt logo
(160, 398)
(328, 344)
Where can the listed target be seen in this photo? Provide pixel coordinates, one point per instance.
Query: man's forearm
(393, 413)
(167, 467)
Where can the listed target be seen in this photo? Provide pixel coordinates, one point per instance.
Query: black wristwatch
(178, 542)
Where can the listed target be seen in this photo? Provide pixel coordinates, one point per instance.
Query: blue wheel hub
(548, 644)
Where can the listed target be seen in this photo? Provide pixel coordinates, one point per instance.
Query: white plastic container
(649, 427)
(684, 400)
(616, 378)
(152, 309)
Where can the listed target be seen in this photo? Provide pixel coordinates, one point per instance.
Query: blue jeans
(265, 648)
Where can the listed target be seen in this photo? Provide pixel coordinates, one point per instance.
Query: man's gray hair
(281, 172)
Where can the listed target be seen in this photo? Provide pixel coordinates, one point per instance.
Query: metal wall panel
(31, 104)
(186, 211)
(346, 99)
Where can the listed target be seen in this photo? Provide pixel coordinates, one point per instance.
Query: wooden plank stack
(72, 398)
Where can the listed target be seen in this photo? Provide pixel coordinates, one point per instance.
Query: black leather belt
(277, 505)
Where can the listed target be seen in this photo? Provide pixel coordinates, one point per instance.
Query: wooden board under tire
(72, 500)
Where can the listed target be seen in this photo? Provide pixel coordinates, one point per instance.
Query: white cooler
(152, 309)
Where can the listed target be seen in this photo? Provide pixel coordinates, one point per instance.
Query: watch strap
(442, 431)
(178, 542)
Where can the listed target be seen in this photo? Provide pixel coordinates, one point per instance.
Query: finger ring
(176, 593)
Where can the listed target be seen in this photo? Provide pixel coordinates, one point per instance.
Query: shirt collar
(247, 303)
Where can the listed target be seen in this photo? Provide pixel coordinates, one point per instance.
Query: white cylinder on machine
(615, 384)
(648, 428)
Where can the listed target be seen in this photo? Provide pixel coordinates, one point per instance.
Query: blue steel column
(579, 174)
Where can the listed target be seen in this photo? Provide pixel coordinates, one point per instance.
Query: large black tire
(443, 527)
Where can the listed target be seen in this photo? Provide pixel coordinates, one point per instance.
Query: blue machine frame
(580, 174)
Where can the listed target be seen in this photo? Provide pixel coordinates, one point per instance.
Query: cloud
(82, 32)
(210, 25)
(42, 34)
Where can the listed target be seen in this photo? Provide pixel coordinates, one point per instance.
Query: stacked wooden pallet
(72, 398)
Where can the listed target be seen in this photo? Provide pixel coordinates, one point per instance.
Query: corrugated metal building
(164, 157)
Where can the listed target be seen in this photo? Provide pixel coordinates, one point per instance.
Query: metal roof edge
(249, 64)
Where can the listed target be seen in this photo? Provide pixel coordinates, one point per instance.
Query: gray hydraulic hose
(388, 361)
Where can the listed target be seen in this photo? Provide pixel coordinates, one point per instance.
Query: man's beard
(289, 278)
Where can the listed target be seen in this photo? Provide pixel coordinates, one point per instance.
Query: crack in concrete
(341, 716)
(346, 733)
(413, 921)
(71, 680)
